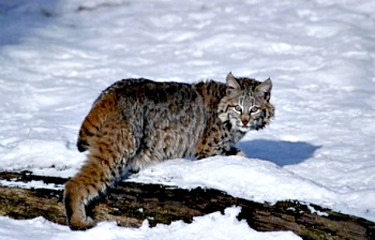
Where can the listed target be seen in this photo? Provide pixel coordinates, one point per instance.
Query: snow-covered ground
(225, 227)
(56, 57)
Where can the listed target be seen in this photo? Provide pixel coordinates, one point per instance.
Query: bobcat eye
(238, 108)
(254, 109)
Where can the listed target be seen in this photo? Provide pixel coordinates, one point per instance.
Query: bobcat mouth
(244, 128)
(254, 125)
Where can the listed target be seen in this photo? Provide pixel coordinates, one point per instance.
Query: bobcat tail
(102, 108)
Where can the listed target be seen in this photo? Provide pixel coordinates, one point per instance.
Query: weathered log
(131, 203)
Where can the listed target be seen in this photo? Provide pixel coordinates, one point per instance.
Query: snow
(226, 227)
(32, 184)
(56, 57)
(317, 212)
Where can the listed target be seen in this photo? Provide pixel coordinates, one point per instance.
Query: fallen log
(131, 203)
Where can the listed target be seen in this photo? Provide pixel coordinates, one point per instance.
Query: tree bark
(131, 203)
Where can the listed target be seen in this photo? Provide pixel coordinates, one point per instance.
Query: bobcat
(138, 122)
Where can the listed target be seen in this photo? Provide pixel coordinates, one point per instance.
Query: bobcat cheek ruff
(138, 122)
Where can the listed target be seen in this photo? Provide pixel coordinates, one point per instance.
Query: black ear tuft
(264, 89)
(232, 83)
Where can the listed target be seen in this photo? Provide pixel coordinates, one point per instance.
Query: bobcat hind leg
(107, 161)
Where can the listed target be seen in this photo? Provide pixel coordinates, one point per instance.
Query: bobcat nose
(244, 122)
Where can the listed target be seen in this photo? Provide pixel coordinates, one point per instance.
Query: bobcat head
(246, 105)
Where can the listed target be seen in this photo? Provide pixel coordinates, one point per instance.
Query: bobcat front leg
(234, 151)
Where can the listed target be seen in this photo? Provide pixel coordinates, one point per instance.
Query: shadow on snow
(20, 19)
(279, 152)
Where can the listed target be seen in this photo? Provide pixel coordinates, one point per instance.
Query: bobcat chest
(217, 140)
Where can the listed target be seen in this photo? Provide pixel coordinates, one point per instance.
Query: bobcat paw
(240, 153)
(81, 224)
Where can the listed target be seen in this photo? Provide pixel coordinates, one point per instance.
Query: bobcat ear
(264, 89)
(232, 82)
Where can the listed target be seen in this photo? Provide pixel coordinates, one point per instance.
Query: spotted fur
(138, 122)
